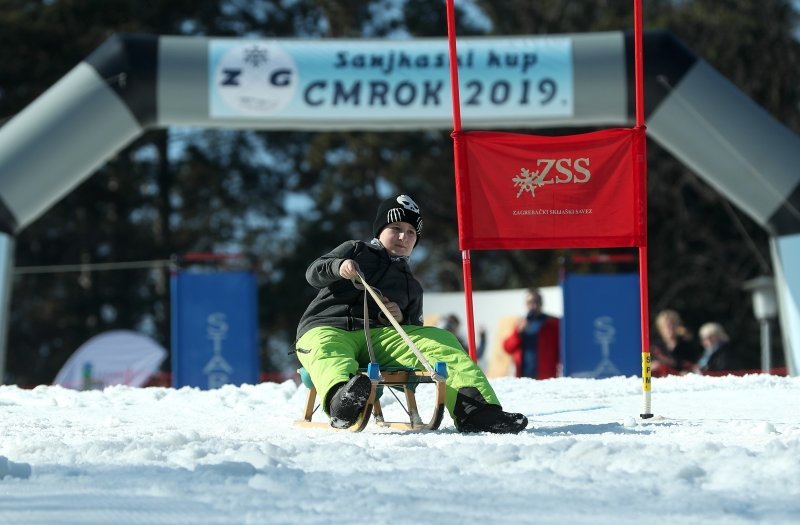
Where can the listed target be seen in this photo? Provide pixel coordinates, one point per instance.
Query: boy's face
(398, 238)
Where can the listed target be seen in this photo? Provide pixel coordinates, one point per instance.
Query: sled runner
(390, 379)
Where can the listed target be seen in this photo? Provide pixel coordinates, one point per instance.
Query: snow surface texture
(720, 450)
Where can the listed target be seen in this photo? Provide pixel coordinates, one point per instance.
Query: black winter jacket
(724, 359)
(341, 305)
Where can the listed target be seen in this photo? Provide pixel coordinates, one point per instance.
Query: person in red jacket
(534, 344)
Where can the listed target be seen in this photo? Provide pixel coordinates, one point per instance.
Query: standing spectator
(534, 343)
(452, 323)
(676, 353)
(718, 354)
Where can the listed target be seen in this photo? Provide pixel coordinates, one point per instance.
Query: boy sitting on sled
(331, 343)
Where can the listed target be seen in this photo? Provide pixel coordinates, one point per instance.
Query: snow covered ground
(719, 451)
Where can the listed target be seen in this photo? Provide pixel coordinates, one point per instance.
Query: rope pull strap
(372, 359)
(363, 281)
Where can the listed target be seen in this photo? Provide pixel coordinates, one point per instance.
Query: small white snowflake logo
(528, 181)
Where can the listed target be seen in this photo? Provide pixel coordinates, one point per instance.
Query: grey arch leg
(6, 267)
(786, 265)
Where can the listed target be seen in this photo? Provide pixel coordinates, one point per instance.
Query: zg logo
(552, 171)
(256, 79)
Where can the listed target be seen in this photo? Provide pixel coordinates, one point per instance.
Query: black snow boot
(474, 414)
(491, 418)
(348, 400)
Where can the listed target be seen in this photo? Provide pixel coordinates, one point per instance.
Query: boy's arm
(325, 270)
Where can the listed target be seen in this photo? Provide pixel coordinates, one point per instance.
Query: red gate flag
(520, 191)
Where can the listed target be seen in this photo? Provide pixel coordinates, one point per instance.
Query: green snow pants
(332, 355)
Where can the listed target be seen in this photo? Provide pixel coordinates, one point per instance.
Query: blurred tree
(170, 192)
(702, 248)
(286, 197)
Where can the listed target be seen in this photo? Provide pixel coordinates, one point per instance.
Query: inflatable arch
(136, 82)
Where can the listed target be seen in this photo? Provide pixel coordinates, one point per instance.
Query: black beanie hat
(400, 208)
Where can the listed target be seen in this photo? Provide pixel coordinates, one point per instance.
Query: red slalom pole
(465, 257)
(641, 169)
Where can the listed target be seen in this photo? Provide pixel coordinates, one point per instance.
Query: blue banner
(214, 329)
(601, 333)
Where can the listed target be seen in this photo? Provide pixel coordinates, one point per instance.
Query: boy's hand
(349, 269)
(395, 310)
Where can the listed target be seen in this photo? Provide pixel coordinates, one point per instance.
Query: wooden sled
(404, 379)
